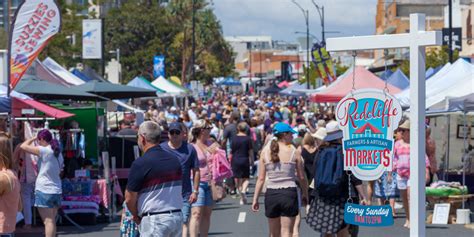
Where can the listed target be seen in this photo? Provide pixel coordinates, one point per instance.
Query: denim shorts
(168, 224)
(205, 195)
(7, 235)
(186, 210)
(45, 200)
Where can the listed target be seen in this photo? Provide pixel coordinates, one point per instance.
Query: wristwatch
(196, 192)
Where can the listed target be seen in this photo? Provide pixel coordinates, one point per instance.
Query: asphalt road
(233, 220)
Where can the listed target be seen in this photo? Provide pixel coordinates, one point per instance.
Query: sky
(281, 18)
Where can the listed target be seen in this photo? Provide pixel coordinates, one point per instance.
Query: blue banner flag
(159, 66)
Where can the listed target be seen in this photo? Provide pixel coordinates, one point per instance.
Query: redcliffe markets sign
(368, 119)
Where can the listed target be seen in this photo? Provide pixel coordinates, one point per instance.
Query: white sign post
(416, 40)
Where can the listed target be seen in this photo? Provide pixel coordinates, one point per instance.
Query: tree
(3, 38)
(61, 47)
(435, 57)
(144, 29)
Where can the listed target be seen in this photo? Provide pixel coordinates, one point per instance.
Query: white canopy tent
(452, 80)
(61, 72)
(171, 89)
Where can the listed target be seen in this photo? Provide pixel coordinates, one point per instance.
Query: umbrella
(44, 90)
(273, 89)
(114, 91)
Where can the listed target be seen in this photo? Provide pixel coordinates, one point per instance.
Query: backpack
(221, 168)
(329, 172)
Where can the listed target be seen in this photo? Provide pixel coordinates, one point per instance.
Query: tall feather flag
(34, 23)
(323, 63)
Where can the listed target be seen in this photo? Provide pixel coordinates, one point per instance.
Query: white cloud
(281, 18)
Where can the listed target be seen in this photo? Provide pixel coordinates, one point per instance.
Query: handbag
(218, 191)
(217, 188)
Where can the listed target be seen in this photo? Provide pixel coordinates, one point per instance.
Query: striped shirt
(157, 178)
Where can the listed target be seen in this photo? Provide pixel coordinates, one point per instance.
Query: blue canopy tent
(386, 74)
(429, 72)
(399, 79)
(290, 91)
(81, 75)
(229, 81)
(5, 105)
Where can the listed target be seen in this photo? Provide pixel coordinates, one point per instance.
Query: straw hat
(320, 133)
(405, 125)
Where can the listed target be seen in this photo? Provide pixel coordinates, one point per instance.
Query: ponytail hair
(275, 148)
(48, 137)
(55, 147)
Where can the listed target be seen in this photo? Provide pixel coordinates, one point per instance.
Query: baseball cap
(333, 131)
(173, 108)
(282, 128)
(174, 126)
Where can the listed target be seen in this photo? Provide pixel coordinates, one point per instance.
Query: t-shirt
(240, 147)
(401, 158)
(49, 166)
(230, 131)
(157, 178)
(188, 157)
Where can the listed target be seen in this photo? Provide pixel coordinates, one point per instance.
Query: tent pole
(465, 154)
(446, 162)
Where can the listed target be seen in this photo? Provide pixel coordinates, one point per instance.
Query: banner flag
(35, 22)
(159, 66)
(92, 39)
(323, 63)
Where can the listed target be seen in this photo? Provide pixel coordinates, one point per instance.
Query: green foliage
(60, 47)
(313, 75)
(434, 57)
(142, 30)
(3, 38)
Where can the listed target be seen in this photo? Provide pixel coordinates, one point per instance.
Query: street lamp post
(321, 16)
(306, 17)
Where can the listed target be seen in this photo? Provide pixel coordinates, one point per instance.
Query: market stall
(344, 84)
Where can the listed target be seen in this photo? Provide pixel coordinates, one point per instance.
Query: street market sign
(368, 118)
(371, 216)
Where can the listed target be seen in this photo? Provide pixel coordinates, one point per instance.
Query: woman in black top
(242, 157)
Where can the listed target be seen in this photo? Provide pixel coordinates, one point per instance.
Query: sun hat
(333, 131)
(282, 128)
(201, 123)
(320, 133)
(405, 125)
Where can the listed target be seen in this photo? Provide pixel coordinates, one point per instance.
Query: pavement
(233, 220)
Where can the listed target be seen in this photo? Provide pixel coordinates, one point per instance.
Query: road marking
(241, 218)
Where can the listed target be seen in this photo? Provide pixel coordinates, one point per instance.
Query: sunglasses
(175, 132)
(403, 130)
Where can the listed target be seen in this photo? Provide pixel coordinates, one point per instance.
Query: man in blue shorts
(187, 155)
(153, 194)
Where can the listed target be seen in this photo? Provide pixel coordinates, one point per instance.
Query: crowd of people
(171, 191)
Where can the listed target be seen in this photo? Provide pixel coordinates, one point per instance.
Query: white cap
(173, 108)
(193, 104)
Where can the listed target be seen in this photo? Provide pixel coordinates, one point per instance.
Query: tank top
(9, 203)
(282, 174)
(308, 162)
